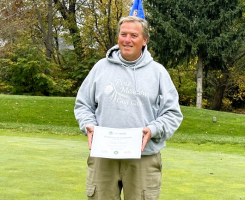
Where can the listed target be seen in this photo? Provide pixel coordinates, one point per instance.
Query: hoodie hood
(112, 56)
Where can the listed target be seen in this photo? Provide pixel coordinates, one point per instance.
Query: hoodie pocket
(151, 194)
(90, 191)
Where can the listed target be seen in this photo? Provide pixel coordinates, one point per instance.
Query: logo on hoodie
(121, 93)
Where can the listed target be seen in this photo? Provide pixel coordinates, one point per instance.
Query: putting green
(211, 175)
(55, 168)
(41, 168)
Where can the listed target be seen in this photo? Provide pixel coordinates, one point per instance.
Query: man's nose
(128, 38)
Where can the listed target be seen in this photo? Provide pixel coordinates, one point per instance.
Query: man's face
(131, 40)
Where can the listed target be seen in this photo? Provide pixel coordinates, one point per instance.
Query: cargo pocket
(159, 160)
(151, 194)
(90, 191)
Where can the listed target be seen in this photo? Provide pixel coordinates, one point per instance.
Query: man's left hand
(146, 137)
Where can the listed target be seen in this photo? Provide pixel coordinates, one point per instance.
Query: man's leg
(142, 177)
(103, 181)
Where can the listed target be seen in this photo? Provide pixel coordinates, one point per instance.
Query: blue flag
(137, 9)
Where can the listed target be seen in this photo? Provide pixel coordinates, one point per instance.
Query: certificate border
(138, 156)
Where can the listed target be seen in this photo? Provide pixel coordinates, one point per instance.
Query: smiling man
(128, 89)
(131, 40)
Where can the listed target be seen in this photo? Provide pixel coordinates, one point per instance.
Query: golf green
(46, 167)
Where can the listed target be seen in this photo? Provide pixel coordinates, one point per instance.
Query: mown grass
(42, 167)
(38, 114)
(203, 172)
(201, 121)
(47, 166)
(55, 115)
(43, 153)
(198, 127)
(53, 111)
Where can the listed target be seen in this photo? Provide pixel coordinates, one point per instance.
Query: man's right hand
(90, 132)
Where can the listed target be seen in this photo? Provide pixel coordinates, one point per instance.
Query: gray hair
(144, 23)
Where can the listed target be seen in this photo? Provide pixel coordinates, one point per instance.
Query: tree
(47, 35)
(235, 90)
(35, 27)
(100, 28)
(68, 12)
(184, 30)
(24, 68)
(183, 77)
(12, 15)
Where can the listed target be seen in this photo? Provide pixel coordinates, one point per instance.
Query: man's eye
(134, 36)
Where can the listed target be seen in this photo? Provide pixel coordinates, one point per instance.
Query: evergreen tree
(203, 29)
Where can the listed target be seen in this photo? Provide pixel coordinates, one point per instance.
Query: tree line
(47, 47)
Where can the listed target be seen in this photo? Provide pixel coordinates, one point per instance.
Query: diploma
(116, 143)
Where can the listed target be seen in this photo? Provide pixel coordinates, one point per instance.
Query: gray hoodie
(118, 94)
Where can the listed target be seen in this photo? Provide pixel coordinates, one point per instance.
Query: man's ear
(144, 41)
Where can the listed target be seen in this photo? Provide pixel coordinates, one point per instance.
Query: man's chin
(127, 57)
(127, 54)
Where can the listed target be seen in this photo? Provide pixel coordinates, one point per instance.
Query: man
(127, 89)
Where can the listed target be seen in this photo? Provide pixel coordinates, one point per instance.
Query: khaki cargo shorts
(140, 179)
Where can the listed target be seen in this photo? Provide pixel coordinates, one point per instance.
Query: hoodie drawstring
(135, 80)
(135, 77)
(131, 65)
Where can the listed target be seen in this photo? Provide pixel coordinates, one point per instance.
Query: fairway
(54, 167)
